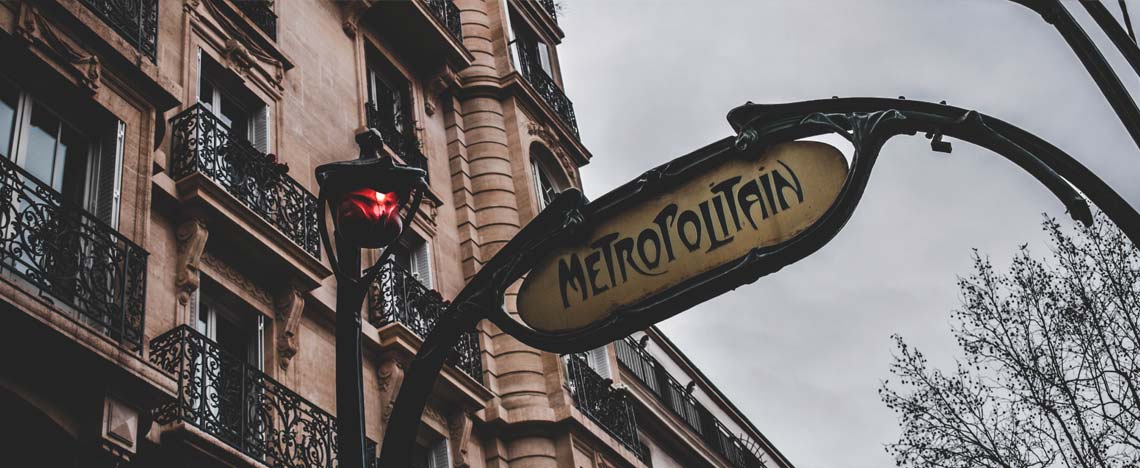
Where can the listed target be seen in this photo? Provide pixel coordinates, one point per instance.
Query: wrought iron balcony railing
(399, 297)
(262, 15)
(202, 143)
(544, 85)
(134, 20)
(596, 397)
(239, 405)
(397, 135)
(550, 8)
(448, 14)
(740, 452)
(93, 274)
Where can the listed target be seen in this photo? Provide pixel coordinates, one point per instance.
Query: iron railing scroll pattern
(740, 452)
(550, 8)
(135, 20)
(403, 142)
(596, 397)
(262, 15)
(448, 14)
(545, 86)
(238, 404)
(399, 297)
(204, 144)
(93, 273)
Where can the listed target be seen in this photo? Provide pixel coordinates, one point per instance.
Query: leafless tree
(1049, 374)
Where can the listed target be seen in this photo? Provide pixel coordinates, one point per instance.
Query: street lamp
(371, 200)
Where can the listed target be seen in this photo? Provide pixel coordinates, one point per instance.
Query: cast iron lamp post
(371, 199)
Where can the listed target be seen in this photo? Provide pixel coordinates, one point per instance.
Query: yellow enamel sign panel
(714, 218)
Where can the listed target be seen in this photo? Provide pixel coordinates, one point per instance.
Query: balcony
(134, 20)
(610, 408)
(202, 144)
(739, 452)
(262, 15)
(544, 85)
(448, 15)
(403, 143)
(550, 8)
(428, 32)
(401, 298)
(92, 273)
(241, 406)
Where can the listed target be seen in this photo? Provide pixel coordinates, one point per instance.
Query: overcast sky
(803, 351)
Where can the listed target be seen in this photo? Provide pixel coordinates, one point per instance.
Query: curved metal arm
(868, 123)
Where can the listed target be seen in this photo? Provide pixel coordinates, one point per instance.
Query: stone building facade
(165, 298)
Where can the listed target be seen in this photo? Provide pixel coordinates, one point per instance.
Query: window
(220, 92)
(527, 49)
(81, 159)
(435, 456)
(544, 189)
(599, 361)
(239, 336)
(389, 101)
(416, 260)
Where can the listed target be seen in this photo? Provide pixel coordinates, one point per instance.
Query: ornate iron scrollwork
(596, 397)
(201, 143)
(448, 14)
(95, 274)
(240, 405)
(134, 20)
(399, 297)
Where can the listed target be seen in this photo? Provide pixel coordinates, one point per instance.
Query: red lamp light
(369, 218)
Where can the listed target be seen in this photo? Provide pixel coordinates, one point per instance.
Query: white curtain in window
(599, 360)
(421, 264)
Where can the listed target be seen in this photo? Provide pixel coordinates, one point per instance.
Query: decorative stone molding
(191, 236)
(230, 274)
(446, 79)
(459, 426)
(241, 53)
(353, 11)
(390, 375)
(290, 305)
(554, 144)
(36, 31)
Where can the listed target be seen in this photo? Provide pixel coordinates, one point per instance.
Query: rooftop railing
(91, 272)
(202, 143)
(742, 453)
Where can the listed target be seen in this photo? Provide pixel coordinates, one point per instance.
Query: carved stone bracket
(34, 30)
(446, 79)
(390, 374)
(191, 236)
(290, 305)
(353, 11)
(459, 425)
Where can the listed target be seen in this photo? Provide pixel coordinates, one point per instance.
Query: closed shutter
(256, 346)
(599, 360)
(259, 130)
(421, 264)
(538, 189)
(104, 177)
(440, 458)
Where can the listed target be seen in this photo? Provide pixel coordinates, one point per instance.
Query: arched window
(544, 185)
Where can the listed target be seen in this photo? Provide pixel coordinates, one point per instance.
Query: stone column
(487, 207)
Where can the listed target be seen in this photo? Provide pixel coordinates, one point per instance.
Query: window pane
(9, 98)
(544, 59)
(40, 158)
